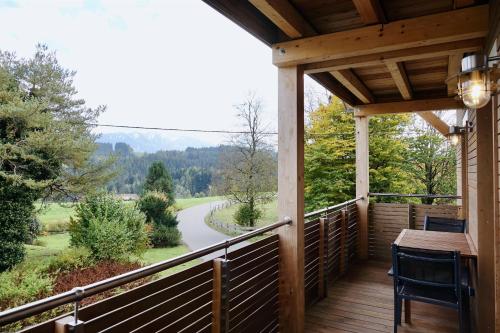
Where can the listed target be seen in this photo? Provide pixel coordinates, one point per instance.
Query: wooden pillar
(485, 221)
(496, 200)
(461, 151)
(291, 197)
(362, 183)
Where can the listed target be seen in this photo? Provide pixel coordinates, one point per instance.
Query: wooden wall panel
(388, 219)
(472, 177)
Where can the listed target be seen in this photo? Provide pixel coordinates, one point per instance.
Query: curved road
(196, 234)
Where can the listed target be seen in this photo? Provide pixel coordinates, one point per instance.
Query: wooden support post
(362, 183)
(220, 298)
(323, 258)
(411, 220)
(496, 199)
(343, 236)
(462, 173)
(485, 221)
(291, 197)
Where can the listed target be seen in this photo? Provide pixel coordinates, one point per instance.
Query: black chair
(427, 276)
(444, 224)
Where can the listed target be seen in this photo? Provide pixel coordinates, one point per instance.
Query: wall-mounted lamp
(456, 132)
(477, 80)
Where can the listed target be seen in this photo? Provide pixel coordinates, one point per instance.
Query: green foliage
(70, 259)
(108, 228)
(22, 284)
(34, 229)
(155, 205)
(247, 216)
(330, 155)
(193, 170)
(432, 162)
(46, 144)
(163, 236)
(16, 207)
(158, 179)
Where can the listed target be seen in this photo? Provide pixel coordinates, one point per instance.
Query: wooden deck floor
(362, 301)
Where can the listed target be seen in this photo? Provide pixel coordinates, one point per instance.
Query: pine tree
(159, 179)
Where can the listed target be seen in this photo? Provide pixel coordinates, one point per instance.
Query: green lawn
(53, 244)
(269, 214)
(55, 217)
(190, 202)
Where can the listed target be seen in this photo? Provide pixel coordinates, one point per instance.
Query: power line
(403, 132)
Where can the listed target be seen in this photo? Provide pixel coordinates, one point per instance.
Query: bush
(163, 236)
(109, 229)
(22, 284)
(70, 259)
(155, 205)
(246, 216)
(16, 212)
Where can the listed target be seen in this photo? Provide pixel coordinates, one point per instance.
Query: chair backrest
(444, 224)
(426, 268)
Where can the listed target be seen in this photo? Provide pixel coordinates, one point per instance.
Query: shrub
(54, 227)
(247, 216)
(70, 259)
(22, 284)
(16, 209)
(109, 229)
(155, 205)
(163, 236)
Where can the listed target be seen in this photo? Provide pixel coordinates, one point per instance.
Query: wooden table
(435, 240)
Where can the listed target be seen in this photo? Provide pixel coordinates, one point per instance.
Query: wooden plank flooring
(362, 301)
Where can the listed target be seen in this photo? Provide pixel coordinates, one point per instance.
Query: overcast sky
(168, 63)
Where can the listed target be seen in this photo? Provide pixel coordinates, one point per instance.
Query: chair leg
(396, 313)
(461, 324)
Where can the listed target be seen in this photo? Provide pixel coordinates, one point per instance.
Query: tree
(159, 179)
(330, 155)
(431, 161)
(46, 143)
(248, 170)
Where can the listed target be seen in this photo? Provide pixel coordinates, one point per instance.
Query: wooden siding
(472, 177)
(388, 219)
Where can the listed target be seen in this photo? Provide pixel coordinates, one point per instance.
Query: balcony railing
(225, 294)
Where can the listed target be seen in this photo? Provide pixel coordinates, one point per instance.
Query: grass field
(269, 214)
(55, 217)
(53, 244)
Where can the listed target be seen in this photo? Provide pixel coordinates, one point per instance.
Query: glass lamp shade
(454, 139)
(474, 90)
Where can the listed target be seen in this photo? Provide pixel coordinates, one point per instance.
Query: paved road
(196, 234)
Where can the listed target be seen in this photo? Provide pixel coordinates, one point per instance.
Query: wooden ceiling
(351, 41)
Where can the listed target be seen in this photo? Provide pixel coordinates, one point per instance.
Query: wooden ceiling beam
(335, 87)
(371, 11)
(456, 25)
(400, 78)
(284, 15)
(462, 3)
(414, 53)
(454, 66)
(354, 84)
(432, 119)
(408, 106)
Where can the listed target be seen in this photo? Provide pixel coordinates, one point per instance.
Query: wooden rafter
(436, 122)
(494, 29)
(399, 76)
(290, 21)
(371, 11)
(408, 106)
(462, 3)
(414, 53)
(462, 24)
(284, 15)
(354, 84)
(454, 63)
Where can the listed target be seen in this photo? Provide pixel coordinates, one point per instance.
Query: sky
(153, 63)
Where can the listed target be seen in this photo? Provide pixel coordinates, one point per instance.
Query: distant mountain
(152, 142)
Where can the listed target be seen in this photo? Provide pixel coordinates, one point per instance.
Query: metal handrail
(327, 209)
(433, 196)
(79, 293)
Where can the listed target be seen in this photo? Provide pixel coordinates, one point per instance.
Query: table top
(437, 240)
